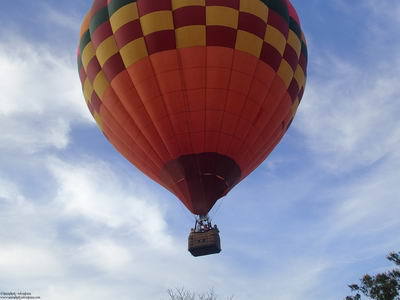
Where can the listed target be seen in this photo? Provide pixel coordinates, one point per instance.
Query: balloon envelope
(194, 93)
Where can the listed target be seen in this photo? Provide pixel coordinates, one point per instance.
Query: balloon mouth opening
(200, 179)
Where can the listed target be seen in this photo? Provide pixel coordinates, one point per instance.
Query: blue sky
(317, 215)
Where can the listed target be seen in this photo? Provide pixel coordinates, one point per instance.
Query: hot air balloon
(194, 93)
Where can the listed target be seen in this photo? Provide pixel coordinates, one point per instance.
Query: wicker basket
(204, 243)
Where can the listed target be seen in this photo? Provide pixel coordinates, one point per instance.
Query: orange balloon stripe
(213, 135)
(132, 154)
(122, 133)
(250, 106)
(150, 94)
(111, 111)
(247, 154)
(269, 146)
(241, 107)
(140, 110)
(140, 116)
(261, 122)
(134, 106)
(118, 113)
(276, 122)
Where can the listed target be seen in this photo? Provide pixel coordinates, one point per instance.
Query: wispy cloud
(93, 191)
(350, 114)
(40, 97)
(56, 17)
(28, 262)
(369, 204)
(350, 122)
(386, 9)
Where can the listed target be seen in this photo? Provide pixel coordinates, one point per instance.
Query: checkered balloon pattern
(194, 93)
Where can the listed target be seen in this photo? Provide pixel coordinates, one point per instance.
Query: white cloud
(20, 217)
(41, 96)
(370, 204)
(88, 219)
(79, 290)
(104, 254)
(386, 9)
(93, 191)
(9, 191)
(68, 21)
(349, 114)
(350, 117)
(26, 261)
(24, 251)
(301, 277)
(92, 226)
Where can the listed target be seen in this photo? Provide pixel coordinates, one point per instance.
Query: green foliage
(184, 294)
(382, 286)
